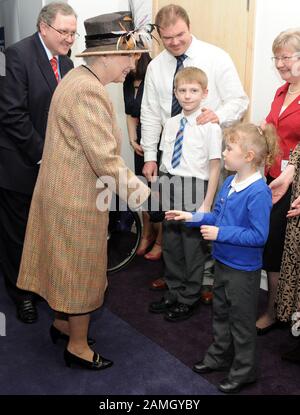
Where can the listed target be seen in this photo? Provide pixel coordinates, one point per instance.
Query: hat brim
(107, 50)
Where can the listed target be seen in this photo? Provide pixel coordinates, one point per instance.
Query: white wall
(1, 14)
(28, 12)
(19, 18)
(10, 20)
(272, 17)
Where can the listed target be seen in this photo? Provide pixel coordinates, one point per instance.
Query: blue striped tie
(176, 108)
(178, 144)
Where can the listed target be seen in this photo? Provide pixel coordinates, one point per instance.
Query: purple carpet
(151, 356)
(129, 296)
(31, 365)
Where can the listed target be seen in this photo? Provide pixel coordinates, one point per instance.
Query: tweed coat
(64, 257)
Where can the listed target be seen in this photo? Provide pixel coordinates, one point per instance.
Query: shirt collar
(191, 119)
(283, 89)
(49, 54)
(190, 52)
(238, 187)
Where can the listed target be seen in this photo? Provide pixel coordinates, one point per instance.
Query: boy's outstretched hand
(178, 215)
(209, 233)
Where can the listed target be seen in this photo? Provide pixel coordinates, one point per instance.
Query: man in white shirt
(226, 101)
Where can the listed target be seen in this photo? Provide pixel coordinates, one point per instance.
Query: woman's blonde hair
(289, 38)
(191, 74)
(263, 142)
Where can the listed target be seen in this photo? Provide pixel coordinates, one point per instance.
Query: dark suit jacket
(25, 96)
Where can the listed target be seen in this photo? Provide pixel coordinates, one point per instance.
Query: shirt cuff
(150, 156)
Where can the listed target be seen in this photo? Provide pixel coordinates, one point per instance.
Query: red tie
(54, 65)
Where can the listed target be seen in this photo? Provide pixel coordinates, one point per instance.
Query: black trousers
(184, 250)
(273, 250)
(234, 317)
(14, 211)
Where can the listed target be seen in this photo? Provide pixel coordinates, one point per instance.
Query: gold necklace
(293, 92)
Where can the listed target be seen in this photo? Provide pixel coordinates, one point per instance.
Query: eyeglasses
(64, 33)
(284, 59)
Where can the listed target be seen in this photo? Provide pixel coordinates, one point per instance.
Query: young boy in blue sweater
(239, 226)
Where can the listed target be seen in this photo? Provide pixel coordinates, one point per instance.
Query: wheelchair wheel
(124, 234)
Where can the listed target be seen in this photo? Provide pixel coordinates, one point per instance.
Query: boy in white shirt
(191, 160)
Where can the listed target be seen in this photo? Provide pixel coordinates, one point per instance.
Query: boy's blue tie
(178, 144)
(176, 108)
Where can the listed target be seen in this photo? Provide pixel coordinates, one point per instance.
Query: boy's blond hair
(190, 75)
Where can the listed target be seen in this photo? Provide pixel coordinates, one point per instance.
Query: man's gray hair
(50, 11)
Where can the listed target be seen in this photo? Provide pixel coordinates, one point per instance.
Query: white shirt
(226, 96)
(141, 11)
(238, 187)
(200, 144)
(49, 54)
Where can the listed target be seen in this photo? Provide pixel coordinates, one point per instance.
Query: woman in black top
(133, 89)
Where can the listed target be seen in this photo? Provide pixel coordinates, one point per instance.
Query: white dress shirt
(141, 11)
(200, 144)
(49, 54)
(226, 96)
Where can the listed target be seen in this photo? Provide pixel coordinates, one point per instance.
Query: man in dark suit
(34, 66)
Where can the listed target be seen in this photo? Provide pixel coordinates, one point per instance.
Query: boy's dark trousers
(184, 250)
(234, 317)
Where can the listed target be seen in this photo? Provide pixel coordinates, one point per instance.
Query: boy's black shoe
(201, 368)
(230, 386)
(161, 306)
(180, 312)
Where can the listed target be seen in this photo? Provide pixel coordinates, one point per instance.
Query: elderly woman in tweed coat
(64, 258)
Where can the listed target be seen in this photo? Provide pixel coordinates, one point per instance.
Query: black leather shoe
(55, 335)
(179, 312)
(201, 367)
(27, 312)
(265, 330)
(161, 306)
(98, 363)
(230, 386)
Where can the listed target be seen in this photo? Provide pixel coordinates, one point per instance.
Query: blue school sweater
(243, 221)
